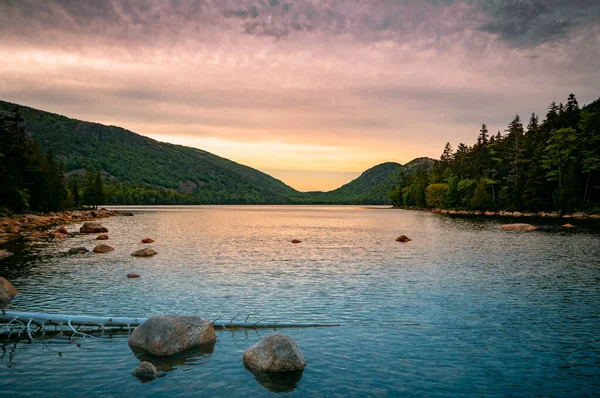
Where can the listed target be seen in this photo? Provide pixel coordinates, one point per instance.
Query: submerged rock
(518, 227)
(403, 239)
(102, 237)
(103, 249)
(146, 371)
(147, 252)
(147, 240)
(93, 228)
(276, 352)
(78, 250)
(126, 214)
(133, 276)
(4, 254)
(168, 335)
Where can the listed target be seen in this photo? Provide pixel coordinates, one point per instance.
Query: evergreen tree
(559, 159)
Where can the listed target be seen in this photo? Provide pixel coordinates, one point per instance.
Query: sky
(312, 92)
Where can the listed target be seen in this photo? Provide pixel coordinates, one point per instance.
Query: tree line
(34, 180)
(548, 165)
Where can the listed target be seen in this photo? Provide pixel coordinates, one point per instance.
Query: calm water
(463, 309)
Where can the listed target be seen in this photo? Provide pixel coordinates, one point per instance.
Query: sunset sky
(310, 91)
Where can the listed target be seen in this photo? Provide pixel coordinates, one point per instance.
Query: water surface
(463, 309)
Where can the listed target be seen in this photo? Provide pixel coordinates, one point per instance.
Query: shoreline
(35, 227)
(555, 215)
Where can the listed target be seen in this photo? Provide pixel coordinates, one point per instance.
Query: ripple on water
(463, 309)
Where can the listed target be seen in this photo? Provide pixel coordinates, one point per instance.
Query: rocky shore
(516, 214)
(33, 228)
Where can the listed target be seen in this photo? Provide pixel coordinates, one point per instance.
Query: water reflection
(277, 381)
(191, 356)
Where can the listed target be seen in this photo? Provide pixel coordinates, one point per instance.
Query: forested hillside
(553, 164)
(141, 170)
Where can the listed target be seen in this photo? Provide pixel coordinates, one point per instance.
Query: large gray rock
(168, 335)
(146, 371)
(93, 228)
(275, 353)
(518, 227)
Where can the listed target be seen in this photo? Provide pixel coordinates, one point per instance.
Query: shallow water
(463, 309)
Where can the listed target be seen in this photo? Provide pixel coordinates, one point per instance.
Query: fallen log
(21, 322)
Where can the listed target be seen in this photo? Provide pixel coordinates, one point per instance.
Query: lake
(463, 309)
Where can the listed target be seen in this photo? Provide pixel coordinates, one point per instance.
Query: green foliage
(125, 157)
(29, 179)
(481, 199)
(553, 165)
(436, 195)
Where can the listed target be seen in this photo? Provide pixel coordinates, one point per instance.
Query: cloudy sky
(310, 91)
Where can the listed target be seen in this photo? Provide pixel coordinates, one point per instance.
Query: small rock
(127, 214)
(147, 240)
(296, 241)
(92, 228)
(7, 290)
(102, 237)
(403, 238)
(133, 275)
(147, 252)
(568, 226)
(168, 335)
(103, 249)
(517, 214)
(276, 352)
(489, 213)
(579, 215)
(518, 227)
(61, 230)
(146, 371)
(59, 236)
(78, 250)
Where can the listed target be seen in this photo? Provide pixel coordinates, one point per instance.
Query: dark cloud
(519, 22)
(532, 22)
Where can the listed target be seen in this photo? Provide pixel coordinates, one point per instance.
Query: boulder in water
(403, 239)
(93, 228)
(61, 230)
(168, 335)
(276, 352)
(147, 240)
(146, 371)
(103, 249)
(147, 252)
(7, 290)
(102, 237)
(517, 227)
(78, 250)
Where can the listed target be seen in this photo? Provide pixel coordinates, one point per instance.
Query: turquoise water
(463, 309)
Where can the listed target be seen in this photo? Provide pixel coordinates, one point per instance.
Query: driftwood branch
(22, 322)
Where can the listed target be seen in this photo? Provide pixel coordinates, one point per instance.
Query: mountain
(140, 170)
(371, 187)
(129, 158)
